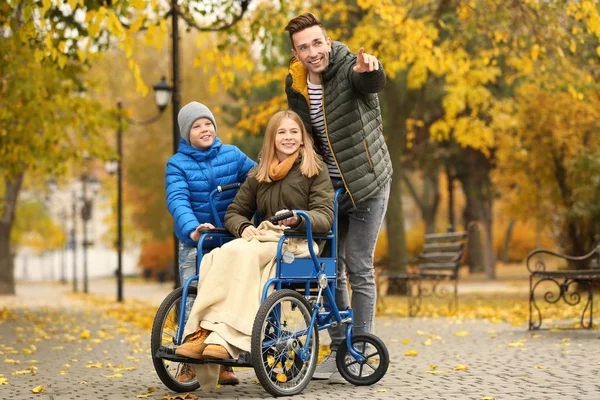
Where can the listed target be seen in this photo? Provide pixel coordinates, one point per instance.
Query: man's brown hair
(303, 22)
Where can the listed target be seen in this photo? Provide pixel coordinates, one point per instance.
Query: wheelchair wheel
(164, 333)
(278, 334)
(377, 360)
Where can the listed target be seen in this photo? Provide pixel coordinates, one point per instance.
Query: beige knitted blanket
(230, 286)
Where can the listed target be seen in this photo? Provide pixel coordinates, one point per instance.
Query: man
(335, 93)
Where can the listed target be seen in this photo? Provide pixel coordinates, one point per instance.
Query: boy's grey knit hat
(190, 113)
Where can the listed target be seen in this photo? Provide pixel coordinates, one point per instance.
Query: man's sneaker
(337, 378)
(186, 374)
(326, 367)
(227, 377)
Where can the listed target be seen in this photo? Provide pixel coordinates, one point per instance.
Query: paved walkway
(78, 351)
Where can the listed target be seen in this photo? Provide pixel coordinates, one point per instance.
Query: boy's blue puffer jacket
(190, 177)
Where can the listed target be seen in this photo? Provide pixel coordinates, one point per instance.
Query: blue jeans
(187, 268)
(358, 230)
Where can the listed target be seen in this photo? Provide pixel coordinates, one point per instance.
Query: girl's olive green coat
(294, 192)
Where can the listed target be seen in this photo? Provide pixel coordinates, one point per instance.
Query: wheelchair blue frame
(312, 281)
(307, 271)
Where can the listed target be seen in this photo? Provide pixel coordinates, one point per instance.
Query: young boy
(201, 163)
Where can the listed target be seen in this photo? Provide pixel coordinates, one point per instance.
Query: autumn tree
(45, 47)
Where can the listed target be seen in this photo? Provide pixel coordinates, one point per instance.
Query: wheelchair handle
(225, 188)
(282, 216)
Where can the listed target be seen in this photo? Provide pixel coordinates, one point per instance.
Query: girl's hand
(289, 221)
(196, 234)
(249, 232)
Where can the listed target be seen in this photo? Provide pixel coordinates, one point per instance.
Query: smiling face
(312, 49)
(202, 133)
(288, 138)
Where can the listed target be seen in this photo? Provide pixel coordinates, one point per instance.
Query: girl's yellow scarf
(279, 170)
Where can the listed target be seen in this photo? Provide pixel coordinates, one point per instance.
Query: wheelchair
(296, 303)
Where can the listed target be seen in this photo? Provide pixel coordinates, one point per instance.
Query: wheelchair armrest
(294, 233)
(216, 230)
(302, 234)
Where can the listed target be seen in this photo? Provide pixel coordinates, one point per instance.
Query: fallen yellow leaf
(435, 372)
(487, 398)
(461, 333)
(142, 396)
(427, 342)
(219, 386)
(38, 389)
(411, 353)
(11, 361)
(85, 334)
(83, 382)
(115, 376)
(3, 381)
(27, 351)
(58, 348)
(405, 341)
(540, 367)
(515, 344)
(152, 389)
(433, 366)
(23, 372)
(281, 378)
(461, 367)
(381, 390)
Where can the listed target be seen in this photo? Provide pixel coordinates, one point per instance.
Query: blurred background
(491, 115)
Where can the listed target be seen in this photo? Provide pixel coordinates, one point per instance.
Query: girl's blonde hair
(310, 163)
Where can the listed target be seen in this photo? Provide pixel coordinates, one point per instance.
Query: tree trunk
(7, 267)
(477, 186)
(507, 237)
(393, 102)
(430, 199)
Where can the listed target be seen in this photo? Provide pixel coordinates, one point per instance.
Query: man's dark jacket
(352, 119)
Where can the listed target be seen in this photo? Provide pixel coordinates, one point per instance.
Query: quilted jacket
(352, 120)
(192, 174)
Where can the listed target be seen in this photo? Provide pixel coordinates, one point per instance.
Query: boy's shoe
(227, 377)
(216, 351)
(194, 345)
(326, 368)
(186, 374)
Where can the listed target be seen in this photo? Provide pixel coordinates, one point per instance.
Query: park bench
(436, 265)
(580, 281)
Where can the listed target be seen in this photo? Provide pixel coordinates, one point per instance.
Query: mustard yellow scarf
(279, 170)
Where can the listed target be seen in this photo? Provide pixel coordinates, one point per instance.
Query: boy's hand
(196, 234)
(249, 232)
(289, 221)
(365, 62)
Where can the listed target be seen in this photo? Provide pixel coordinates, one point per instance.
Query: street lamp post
(52, 186)
(162, 96)
(74, 238)
(86, 215)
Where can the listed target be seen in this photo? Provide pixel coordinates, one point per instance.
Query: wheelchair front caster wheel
(377, 360)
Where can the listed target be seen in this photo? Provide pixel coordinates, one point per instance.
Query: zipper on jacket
(368, 154)
(331, 148)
